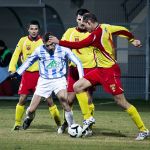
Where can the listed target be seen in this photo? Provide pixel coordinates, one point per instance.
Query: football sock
(55, 114)
(83, 102)
(19, 114)
(69, 117)
(132, 111)
(91, 109)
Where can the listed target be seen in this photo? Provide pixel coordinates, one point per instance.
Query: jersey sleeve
(30, 60)
(15, 56)
(76, 61)
(77, 45)
(121, 31)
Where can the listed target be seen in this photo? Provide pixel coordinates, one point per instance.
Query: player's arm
(74, 45)
(30, 60)
(15, 57)
(121, 31)
(124, 32)
(76, 61)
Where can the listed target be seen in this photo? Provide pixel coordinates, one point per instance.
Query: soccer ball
(75, 130)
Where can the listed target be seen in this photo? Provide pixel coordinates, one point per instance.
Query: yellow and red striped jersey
(25, 48)
(101, 38)
(86, 54)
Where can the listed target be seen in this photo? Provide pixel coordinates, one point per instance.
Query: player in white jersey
(52, 61)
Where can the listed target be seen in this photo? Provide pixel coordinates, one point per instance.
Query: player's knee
(22, 99)
(76, 88)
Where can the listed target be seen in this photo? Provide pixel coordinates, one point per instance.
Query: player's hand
(14, 76)
(53, 39)
(136, 43)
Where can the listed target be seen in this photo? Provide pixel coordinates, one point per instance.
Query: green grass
(113, 130)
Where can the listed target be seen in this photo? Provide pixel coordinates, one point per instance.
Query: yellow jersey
(86, 54)
(101, 39)
(25, 48)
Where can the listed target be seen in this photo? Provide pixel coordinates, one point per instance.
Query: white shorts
(45, 87)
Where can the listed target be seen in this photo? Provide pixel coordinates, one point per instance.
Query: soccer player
(108, 73)
(25, 48)
(88, 62)
(52, 68)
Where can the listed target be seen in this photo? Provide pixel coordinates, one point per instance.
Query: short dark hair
(46, 36)
(34, 22)
(90, 16)
(81, 12)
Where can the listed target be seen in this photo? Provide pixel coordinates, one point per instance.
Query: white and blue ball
(75, 130)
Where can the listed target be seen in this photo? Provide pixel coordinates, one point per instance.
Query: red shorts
(73, 77)
(28, 82)
(109, 78)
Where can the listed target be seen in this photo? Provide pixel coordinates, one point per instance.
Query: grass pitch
(113, 130)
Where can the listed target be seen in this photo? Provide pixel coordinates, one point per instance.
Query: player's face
(79, 22)
(88, 26)
(49, 45)
(33, 30)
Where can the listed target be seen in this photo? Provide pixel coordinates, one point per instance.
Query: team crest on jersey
(76, 38)
(28, 47)
(113, 87)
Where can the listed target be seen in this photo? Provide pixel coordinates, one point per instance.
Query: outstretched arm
(74, 45)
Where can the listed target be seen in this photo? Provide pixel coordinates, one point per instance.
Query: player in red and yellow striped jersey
(25, 47)
(108, 73)
(87, 57)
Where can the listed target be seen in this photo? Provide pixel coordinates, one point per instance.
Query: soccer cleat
(62, 128)
(143, 135)
(88, 133)
(59, 130)
(87, 123)
(17, 128)
(26, 123)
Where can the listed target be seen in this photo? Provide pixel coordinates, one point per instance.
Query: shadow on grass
(41, 128)
(108, 132)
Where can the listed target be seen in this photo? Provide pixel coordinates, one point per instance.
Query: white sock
(69, 117)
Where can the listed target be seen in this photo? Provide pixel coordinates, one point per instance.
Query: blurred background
(58, 15)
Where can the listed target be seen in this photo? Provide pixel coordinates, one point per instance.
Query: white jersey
(52, 64)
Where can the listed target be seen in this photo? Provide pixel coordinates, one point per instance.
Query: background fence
(56, 16)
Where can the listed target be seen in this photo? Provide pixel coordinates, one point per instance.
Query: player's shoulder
(105, 25)
(64, 49)
(23, 38)
(69, 30)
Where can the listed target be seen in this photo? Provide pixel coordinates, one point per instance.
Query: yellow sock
(132, 111)
(55, 114)
(19, 114)
(91, 109)
(83, 102)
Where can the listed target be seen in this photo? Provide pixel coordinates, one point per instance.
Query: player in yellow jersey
(108, 73)
(87, 57)
(25, 48)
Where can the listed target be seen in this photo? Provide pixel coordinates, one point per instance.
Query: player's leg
(20, 109)
(62, 96)
(113, 85)
(54, 112)
(79, 87)
(135, 116)
(71, 98)
(30, 113)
